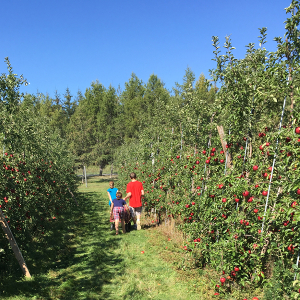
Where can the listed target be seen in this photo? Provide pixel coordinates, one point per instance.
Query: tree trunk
(111, 170)
(14, 245)
(222, 138)
(101, 170)
(73, 196)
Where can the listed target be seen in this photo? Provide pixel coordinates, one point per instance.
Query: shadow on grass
(72, 261)
(100, 179)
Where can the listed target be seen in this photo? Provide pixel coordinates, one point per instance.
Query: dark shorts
(136, 211)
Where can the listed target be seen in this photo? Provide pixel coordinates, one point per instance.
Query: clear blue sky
(70, 43)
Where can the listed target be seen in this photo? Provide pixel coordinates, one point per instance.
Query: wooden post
(85, 175)
(222, 138)
(101, 170)
(14, 245)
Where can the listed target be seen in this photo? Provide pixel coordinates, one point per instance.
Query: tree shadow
(73, 260)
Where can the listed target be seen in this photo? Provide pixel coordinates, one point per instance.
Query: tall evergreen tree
(132, 101)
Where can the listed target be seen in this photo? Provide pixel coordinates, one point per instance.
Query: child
(111, 192)
(117, 209)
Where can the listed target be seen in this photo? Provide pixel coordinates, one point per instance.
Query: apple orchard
(221, 159)
(228, 171)
(36, 172)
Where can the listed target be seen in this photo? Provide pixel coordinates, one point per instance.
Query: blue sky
(60, 44)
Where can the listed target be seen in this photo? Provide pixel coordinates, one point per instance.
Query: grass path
(82, 259)
(129, 274)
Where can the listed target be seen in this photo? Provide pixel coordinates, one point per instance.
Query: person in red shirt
(135, 191)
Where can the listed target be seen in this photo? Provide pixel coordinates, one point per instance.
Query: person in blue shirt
(111, 192)
(117, 209)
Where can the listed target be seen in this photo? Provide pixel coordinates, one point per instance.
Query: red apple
(246, 193)
(222, 279)
(297, 130)
(255, 168)
(250, 199)
(264, 193)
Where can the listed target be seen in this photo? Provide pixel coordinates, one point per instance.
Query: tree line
(99, 121)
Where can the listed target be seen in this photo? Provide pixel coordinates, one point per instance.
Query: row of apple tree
(228, 170)
(36, 173)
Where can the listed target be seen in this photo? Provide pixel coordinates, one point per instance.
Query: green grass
(82, 259)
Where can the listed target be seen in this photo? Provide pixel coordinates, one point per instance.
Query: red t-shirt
(135, 188)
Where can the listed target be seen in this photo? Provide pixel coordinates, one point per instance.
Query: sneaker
(138, 227)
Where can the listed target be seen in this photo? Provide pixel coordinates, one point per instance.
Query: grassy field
(82, 259)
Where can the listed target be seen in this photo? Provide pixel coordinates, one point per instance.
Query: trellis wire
(208, 144)
(297, 264)
(244, 160)
(4, 145)
(248, 135)
(181, 140)
(196, 138)
(274, 160)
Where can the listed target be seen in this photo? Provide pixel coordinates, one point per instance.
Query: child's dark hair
(119, 195)
(132, 175)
